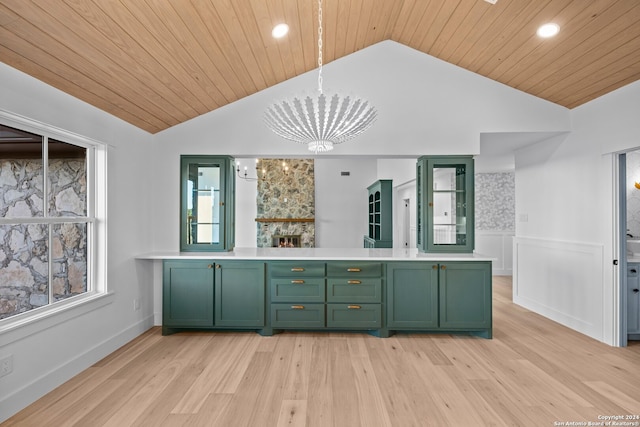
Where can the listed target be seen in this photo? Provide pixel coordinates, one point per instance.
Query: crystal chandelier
(322, 121)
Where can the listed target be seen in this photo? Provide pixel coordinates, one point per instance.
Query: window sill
(29, 323)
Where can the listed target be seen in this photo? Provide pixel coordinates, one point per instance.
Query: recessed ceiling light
(548, 30)
(280, 31)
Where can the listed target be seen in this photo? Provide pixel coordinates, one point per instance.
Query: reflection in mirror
(449, 215)
(203, 204)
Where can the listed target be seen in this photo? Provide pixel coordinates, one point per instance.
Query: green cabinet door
(465, 295)
(412, 295)
(445, 204)
(207, 203)
(239, 294)
(187, 294)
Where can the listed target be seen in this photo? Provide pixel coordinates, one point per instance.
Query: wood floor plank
(534, 372)
(293, 413)
(296, 385)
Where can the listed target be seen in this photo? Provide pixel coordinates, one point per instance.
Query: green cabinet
(204, 294)
(187, 294)
(446, 297)
(207, 203)
(412, 295)
(239, 294)
(445, 204)
(332, 295)
(354, 294)
(380, 215)
(465, 295)
(297, 294)
(380, 297)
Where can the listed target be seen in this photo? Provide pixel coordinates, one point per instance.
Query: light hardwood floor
(534, 372)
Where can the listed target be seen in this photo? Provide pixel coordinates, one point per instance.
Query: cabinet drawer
(296, 269)
(355, 269)
(297, 289)
(297, 315)
(361, 316)
(354, 290)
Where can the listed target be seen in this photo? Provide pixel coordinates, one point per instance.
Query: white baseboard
(37, 388)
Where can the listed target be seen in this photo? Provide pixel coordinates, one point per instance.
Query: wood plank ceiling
(157, 63)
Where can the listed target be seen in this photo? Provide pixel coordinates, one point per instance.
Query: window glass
(67, 179)
(24, 268)
(69, 258)
(43, 252)
(21, 174)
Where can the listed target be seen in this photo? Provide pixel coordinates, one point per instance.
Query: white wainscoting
(499, 245)
(562, 281)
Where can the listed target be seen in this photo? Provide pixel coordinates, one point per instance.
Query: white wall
(564, 245)
(341, 201)
(50, 351)
(246, 206)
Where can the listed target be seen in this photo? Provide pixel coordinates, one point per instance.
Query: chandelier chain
(320, 46)
(321, 121)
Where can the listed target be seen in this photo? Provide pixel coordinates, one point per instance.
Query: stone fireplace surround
(286, 201)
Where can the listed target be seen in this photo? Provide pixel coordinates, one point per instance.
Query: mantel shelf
(285, 219)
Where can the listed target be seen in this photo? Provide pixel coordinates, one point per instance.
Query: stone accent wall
(288, 194)
(24, 249)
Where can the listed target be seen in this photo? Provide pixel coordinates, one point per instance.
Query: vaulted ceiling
(157, 63)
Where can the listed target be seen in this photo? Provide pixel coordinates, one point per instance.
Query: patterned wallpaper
(495, 201)
(633, 194)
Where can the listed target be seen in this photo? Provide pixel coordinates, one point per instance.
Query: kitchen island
(380, 291)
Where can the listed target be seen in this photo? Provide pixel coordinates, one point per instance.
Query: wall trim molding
(497, 244)
(561, 280)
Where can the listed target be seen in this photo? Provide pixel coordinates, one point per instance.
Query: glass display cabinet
(380, 215)
(445, 201)
(207, 203)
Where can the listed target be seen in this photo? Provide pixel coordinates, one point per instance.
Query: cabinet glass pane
(203, 204)
(449, 207)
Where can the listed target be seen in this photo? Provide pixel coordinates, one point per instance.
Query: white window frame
(97, 293)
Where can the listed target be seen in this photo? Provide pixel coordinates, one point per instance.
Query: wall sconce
(637, 184)
(259, 175)
(246, 176)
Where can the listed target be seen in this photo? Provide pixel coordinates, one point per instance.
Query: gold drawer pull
(435, 267)
(353, 270)
(210, 266)
(297, 307)
(354, 282)
(444, 267)
(297, 269)
(297, 282)
(354, 307)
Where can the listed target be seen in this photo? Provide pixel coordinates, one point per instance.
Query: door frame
(620, 236)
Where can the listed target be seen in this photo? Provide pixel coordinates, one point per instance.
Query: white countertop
(319, 254)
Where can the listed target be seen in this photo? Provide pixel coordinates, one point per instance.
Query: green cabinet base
(379, 298)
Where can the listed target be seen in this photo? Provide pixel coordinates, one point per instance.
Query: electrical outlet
(136, 304)
(6, 365)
